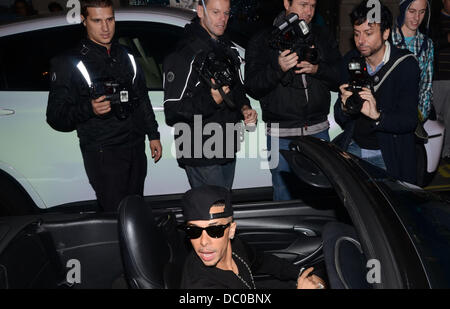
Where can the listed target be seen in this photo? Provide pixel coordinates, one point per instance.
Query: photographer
(379, 120)
(99, 90)
(293, 86)
(205, 99)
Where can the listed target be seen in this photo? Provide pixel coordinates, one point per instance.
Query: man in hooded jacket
(406, 35)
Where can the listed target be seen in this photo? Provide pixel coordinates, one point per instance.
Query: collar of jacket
(88, 45)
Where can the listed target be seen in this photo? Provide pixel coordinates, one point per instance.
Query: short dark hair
(360, 13)
(85, 4)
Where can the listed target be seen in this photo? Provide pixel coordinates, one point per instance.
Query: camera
(359, 79)
(295, 35)
(220, 65)
(122, 101)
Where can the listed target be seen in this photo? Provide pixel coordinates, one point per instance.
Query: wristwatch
(378, 120)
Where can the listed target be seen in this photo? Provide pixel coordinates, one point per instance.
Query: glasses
(214, 231)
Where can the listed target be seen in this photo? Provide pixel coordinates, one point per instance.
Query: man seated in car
(220, 260)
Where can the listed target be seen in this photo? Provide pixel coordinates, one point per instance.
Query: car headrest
(143, 246)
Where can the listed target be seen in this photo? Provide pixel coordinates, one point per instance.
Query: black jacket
(397, 100)
(187, 96)
(69, 103)
(198, 276)
(281, 98)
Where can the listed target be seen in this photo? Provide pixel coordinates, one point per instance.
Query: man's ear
(200, 11)
(83, 20)
(386, 34)
(286, 5)
(232, 230)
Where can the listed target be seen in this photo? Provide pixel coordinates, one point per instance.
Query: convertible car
(394, 235)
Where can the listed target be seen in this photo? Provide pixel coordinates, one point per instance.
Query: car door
(366, 199)
(47, 164)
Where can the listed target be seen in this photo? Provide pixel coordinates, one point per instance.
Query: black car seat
(150, 250)
(344, 259)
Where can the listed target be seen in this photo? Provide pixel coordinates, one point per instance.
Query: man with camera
(379, 117)
(205, 99)
(99, 90)
(291, 69)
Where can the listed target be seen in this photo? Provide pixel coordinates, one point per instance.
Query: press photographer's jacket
(69, 103)
(187, 98)
(397, 100)
(282, 98)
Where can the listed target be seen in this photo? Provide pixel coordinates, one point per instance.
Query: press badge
(124, 96)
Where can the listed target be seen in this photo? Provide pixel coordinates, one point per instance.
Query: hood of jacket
(403, 8)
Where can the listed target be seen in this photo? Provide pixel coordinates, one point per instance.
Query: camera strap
(387, 70)
(227, 99)
(305, 84)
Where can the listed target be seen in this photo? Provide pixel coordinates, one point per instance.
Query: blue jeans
(374, 157)
(217, 175)
(282, 172)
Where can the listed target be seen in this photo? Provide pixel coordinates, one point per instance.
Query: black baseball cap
(197, 203)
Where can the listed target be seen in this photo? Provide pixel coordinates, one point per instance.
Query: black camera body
(295, 35)
(221, 68)
(120, 96)
(359, 79)
(220, 65)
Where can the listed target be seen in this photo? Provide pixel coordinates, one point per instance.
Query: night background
(248, 16)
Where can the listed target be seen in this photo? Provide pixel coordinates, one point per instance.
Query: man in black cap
(220, 260)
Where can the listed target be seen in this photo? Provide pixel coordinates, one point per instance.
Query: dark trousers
(217, 175)
(115, 173)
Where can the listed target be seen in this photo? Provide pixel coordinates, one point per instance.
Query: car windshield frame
(426, 218)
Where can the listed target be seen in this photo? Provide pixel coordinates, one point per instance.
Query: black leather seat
(151, 251)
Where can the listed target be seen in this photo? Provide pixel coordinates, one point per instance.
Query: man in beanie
(406, 35)
(219, 260)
